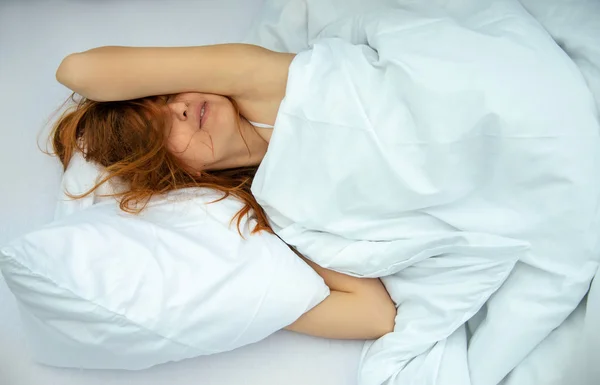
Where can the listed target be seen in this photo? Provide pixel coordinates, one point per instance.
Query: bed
(35, 35)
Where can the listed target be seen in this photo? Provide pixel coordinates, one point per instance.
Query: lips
(202, 113)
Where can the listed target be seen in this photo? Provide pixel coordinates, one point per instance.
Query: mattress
(34, 37)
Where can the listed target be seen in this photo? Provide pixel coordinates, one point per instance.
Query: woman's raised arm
(120, 73)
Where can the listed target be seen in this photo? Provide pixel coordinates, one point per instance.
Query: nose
(180, 109)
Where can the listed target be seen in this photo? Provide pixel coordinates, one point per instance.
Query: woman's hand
(357, 308)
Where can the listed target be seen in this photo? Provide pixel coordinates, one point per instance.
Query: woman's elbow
(74, 73)
(67, 71)
(385, 318)
(380, 314)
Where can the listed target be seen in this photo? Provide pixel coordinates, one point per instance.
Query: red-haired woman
(161, 119)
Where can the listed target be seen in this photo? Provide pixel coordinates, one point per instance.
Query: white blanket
(452, 150)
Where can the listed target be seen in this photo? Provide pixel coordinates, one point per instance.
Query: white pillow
(104, 289)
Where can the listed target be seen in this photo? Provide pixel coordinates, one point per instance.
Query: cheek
(223, 124)
(181, 142)
(177, 143)
(194, 149)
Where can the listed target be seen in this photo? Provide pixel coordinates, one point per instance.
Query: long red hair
(129, 139)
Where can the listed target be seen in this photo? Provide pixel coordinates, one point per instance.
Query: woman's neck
(257, 139)
(264, 133)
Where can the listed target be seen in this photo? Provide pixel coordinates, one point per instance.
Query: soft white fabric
(550, 361)
(436, 146)
(78, 179)
(575, 25)
(584, 368)
(100, 288)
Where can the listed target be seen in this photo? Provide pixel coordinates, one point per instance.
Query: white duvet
(451, 148)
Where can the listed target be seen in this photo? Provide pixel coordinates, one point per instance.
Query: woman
(199, 132)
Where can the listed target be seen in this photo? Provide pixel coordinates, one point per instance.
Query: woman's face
(204, 132)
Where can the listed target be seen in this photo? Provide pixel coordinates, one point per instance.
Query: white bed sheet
(34, 37)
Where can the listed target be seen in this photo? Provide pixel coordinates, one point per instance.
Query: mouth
(203, 113)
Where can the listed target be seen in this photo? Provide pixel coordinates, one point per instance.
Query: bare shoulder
(264, 84)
